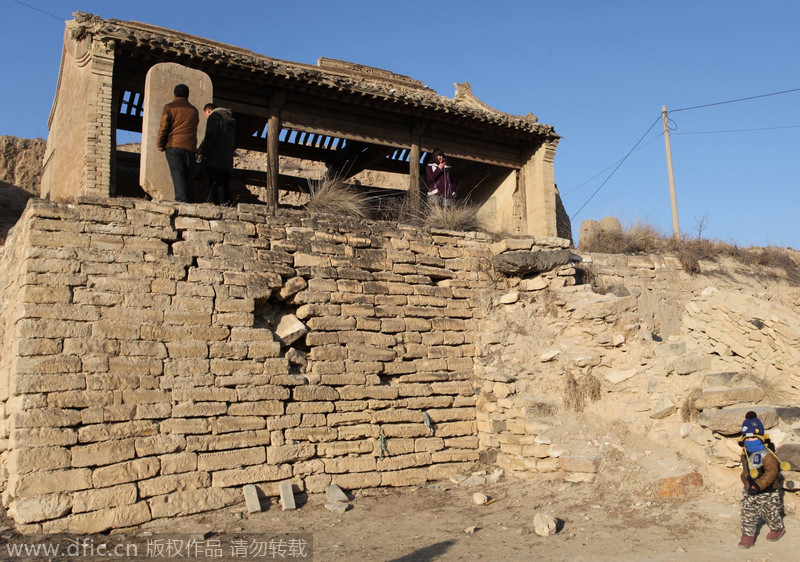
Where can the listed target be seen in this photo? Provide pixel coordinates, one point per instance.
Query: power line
(617, 168)
(739, 130)
(736, 100)
(609, 167)
(40, 10)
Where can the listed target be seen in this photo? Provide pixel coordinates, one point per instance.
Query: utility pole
(676, 229)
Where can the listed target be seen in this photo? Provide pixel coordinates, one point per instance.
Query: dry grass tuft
(331, 196)
(459, 216)
(576, 392)
(643, 238)
(688, 412)
(774, 391)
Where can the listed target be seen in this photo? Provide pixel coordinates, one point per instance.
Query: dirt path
(428, 523)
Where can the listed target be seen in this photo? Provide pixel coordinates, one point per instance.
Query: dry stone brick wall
(749, 333)
(159, 356)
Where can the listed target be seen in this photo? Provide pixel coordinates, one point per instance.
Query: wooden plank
(273, 156)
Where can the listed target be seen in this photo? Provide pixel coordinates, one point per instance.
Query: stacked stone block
(749, 333)
(146, 377)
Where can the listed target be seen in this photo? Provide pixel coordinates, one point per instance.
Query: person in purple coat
(441, 187)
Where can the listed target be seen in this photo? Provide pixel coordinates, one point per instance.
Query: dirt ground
(432, 522)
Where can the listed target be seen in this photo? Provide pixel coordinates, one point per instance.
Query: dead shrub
(688, 412)
(540, 409)
(644, 238)
(774, 391)
(576, 393)
(331, 196)
(459, 216)
(397, 209)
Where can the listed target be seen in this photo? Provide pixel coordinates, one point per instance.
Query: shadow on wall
(13, 200)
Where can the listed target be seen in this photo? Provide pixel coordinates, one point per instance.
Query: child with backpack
(761, 497)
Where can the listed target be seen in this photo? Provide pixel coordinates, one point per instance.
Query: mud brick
(93, 500)
(39, 483)
(407, 477)
(260, 408)
(103, 453)
(290, 453)
(309, 393)
(29, 459)
(340, 448)
(349, 464)
(129, 471)
(309, 407)
(228, 424)
(231, 459)
(237, 440)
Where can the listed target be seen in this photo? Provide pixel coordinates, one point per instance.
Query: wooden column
(413, 165)
(273, 156)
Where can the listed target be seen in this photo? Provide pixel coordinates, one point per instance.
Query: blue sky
(597, 70)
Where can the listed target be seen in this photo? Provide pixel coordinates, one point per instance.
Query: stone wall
(157, 356)
(655, 280)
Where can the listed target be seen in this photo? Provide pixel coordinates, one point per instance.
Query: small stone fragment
(544, 525)
(457, 479)
(473, 480)
(334, 493)
(336, 507)
(470, 530)
(480, 498)
(495, 476)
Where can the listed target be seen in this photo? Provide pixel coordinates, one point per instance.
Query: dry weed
(398, 209)
(576, 393)
(542, 409)
(774, 391)
(644, 238)
(549, 304)
(688, 412)
(331, 196)
(459, 216)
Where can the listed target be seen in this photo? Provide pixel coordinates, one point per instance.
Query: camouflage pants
(767, 505)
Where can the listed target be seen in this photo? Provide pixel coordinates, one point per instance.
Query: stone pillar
(537, 183)
(99, 144)
(159, 83)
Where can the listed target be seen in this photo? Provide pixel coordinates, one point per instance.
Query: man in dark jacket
(177, 137)
(441, 187)
(216, 151)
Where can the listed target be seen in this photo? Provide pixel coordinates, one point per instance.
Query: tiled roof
(348, 78)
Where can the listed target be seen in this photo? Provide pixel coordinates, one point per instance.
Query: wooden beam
(413, 165)
(273, 154)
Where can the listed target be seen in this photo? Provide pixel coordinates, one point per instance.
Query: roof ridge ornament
(466, 98)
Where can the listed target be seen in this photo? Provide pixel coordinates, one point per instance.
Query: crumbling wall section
(652, 279)
(164, 355)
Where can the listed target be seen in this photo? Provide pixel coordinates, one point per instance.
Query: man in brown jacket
(177, 137)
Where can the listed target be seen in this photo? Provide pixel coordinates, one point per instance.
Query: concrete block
(287, 496)
(251, 499)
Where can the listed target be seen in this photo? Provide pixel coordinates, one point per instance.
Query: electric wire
(596, 191)
(577, 187)
(739, 130)
(736, 100)
(40, 10)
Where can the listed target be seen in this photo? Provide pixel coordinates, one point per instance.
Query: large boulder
(728, 421)
(521, 263)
